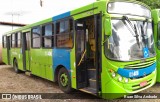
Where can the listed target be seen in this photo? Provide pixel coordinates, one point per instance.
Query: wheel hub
(64, 79)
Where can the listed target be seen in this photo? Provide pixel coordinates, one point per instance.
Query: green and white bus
(105, 48)
(156, 25)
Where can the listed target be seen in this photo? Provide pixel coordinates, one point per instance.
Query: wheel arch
(14, 60)
(56, 71)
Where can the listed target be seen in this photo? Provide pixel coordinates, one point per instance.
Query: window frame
(72, 33)
(36, 37)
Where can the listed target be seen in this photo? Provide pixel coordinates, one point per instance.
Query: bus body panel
(61, 57)
(19, 58)
(49, 68)
(4, 56)
(16, 55)
(41, 63)
(72, 65)
(156, 21)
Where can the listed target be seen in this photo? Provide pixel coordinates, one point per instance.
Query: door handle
(82, 58)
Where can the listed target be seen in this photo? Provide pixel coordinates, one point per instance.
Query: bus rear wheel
(64, 80)
(15, 66)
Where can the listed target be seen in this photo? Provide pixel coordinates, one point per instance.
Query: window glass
(128, 8)
(64, 38)
(62, 27)
(57, 28)
(125, 45)
(4, 38)
(13, 40)
(4, 42)
(36, 32)
(47, 36)
(36, 42)
(19, 39)
(36, 37)
(19, 35)
(4, 45)
(48, 30)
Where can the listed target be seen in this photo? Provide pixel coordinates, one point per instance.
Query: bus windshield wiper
(125, 18)
(144, 33)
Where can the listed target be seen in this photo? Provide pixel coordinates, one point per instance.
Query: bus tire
(64, 80)
(15, 66)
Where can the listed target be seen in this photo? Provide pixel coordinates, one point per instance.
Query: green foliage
(152, 3)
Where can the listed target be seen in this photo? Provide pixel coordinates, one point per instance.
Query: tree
(152, 3)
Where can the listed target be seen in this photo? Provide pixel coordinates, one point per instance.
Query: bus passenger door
(87, 49)
(8, 49)
(25, 50)
(81, 71)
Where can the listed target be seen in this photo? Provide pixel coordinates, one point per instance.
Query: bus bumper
(116, 89)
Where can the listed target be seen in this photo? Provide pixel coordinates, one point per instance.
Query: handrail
(82, 57)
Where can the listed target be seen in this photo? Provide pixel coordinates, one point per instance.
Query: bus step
(28, 73)
(92, 83)
(89, 90)
(91, 73)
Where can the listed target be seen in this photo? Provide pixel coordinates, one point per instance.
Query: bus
(105, 48)
(156, 30)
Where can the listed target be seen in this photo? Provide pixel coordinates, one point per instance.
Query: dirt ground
(10, 82)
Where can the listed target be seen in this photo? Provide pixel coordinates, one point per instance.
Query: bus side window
(64, 34)
(13, 44)
(47, 36)
(19, 39)
(15, 40)
(4, 41)
(35, 38)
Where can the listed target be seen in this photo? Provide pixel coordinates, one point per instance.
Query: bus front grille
(138, 87)
(141, 64)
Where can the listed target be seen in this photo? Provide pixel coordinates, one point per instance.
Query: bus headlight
(120, 78)
(126, 80)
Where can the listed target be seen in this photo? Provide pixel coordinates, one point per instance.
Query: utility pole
(41, 3)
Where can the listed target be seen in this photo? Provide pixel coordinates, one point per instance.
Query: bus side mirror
(108, 27)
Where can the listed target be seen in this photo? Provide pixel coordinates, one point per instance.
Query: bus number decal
(134, 73)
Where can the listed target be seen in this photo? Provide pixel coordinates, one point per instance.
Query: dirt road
(10, 82)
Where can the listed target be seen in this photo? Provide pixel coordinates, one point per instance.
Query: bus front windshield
(130, 40)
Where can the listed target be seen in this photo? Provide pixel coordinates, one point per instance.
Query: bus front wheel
(64, 80)
(15, 66)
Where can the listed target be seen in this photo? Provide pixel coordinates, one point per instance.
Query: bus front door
(88, 54)
(81, 70)
(8, 49)
(25, 50)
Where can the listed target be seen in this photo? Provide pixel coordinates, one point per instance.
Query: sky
(30, 11)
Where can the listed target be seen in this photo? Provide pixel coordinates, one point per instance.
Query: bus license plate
(143, 83)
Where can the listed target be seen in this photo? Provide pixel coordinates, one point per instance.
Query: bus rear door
(25, 50)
